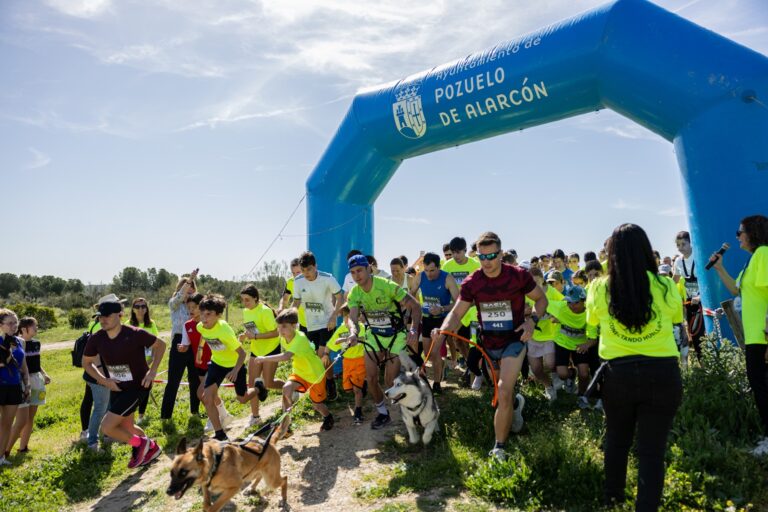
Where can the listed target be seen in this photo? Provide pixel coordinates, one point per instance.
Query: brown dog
(222, 469)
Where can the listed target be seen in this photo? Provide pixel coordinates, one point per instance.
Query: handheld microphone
(719, 252)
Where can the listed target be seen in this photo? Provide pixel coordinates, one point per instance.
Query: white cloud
(39, 159)
(80, 8)
(407, 220)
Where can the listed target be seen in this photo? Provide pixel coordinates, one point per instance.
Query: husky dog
(417, 404)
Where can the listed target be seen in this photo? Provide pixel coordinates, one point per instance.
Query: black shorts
(216, 375)
(11, 395)
(201, 372)
(428, 323)
(123, 403)
(563, 356)
(464, 331)
(320, 337)
(273, 353)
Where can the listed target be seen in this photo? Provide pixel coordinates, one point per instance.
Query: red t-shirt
(500, 302)
(190, 326)
(122, 356)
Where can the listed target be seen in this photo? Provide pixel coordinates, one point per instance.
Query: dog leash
(487, 358)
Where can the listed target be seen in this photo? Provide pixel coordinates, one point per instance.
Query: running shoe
(327, 423)
(381, 421)
(598, 405)
(517, 421)
(138, 453)
(583, 402)
(499, 454)
(254, 420)
(358, 417)
(477, 382)
(152, 453)
(5, 462)
(550, 392)
(262, 389)
(570, 386)
(761, 449)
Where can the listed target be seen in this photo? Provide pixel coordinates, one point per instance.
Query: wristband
(535, 318)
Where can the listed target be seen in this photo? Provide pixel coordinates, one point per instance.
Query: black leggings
(85, 408)
(757, 374)
(177, 363)
(639, 395)
(144, 400)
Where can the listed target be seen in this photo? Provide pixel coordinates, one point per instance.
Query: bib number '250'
(496, 316)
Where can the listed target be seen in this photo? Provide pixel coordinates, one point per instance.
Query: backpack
(79, 349)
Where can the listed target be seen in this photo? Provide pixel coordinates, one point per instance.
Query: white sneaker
(583, 402)
(94, 447)
(5, 462)
(761, 449)
(599, 405)
(255, 420)
(84, 435)
(498, 454)
(477, 383)
(517, 421)
(557, 382)
(224, 416)
(551, 393)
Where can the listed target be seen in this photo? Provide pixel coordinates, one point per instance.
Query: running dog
(221, 468)
(417, 404)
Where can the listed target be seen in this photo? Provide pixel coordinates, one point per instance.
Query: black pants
(177, 363)
(642, 394)
(757, 374)
(85, 408)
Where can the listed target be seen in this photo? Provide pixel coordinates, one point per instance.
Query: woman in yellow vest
(752, 285)
(636, 310)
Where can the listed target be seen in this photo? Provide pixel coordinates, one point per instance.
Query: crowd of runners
(553, 320)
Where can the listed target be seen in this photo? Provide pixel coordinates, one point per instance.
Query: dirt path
(68, 344)
(324, 470)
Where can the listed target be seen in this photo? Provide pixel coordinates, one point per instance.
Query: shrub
(45, 316)
(77, 318)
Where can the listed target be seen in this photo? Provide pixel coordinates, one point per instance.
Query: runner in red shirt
(499, 290)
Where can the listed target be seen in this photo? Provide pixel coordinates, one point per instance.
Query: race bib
(251, 328)
(692, 288)
(572, 332)
(380, 322)
(314, 307)
(459, 276)
(428, 303)
(496, 316)
(214, 344)
(120, 372)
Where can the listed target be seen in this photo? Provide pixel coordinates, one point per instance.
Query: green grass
(556, 462)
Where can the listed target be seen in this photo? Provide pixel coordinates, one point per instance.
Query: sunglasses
(139, 306)
(739, 233)
(488, 257)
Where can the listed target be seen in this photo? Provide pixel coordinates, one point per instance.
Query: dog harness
(243, 445)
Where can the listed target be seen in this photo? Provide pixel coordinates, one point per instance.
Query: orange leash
(495, 400)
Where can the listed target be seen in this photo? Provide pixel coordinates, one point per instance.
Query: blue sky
(179, 134)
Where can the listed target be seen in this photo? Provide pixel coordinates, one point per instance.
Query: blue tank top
(434, 293)
(10, 374)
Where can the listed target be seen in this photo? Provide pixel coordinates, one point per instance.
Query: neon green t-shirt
(656, 338)
(340, 336)
(378, 304)
(302, 311)
(571, 330)
(222, 341)
(546, 327)
(260, 319)
(753, 288)
(305, 362)
(459, 273)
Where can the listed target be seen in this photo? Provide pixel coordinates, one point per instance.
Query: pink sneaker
(138, 453)
(152, 453)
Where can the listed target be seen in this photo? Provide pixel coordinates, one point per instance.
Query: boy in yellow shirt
(227, 358)
(308, 371)
(354, 364)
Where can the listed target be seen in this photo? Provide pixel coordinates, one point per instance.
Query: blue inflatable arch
(693, 87)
